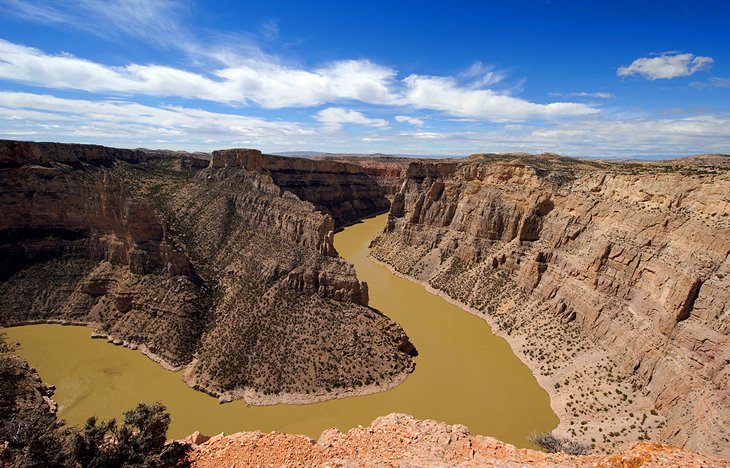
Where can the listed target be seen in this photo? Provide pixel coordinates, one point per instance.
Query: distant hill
(317, 154)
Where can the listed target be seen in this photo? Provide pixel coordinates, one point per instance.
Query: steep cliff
(217, 270)
(386, 170)
(400, 440)
(610, 280)
(342, 190)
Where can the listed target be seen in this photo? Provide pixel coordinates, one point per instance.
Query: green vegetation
(139, 441)
(32, 436)
(10, 376)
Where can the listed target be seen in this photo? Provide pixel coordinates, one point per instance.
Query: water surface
(464, 374)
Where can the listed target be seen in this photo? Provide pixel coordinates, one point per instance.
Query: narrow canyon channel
(464, 374)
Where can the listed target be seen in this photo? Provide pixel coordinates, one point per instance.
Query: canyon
(219, 270)
(610, 280)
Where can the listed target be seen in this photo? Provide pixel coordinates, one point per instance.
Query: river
(464, 374)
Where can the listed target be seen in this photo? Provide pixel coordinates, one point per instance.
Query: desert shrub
(32, 436)
(35, 438)
(11, 375)
(138, 442)
(554, 444)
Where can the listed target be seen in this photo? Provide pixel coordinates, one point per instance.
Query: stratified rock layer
(388, 171)
(342, 190)
(218, 270)
(400, 440)
(611, 280)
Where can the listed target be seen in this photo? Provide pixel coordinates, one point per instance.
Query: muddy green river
(464, 374)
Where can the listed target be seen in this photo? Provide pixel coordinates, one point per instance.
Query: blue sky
(604, 79)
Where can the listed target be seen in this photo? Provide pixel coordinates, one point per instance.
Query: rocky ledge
(401, 440)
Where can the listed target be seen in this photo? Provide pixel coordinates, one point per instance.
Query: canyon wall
(386, 170)
(218, 270)
(612, 281)
(340, 189)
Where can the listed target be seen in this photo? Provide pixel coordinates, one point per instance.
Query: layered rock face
(218, 270)
(386, 170)
(76, 246)
(401, 440)
(611, 281)
(339, 189)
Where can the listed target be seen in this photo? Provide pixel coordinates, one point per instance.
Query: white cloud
(444, 94)
(270, 29)
(111, 121)
(593, 136)
(598, 94)
(712, 82)
(479, 75)
(666, 66)
(156, 21)
(128, 124)
(265, 82)
(333, 119)
(411, 120)
(425, 135)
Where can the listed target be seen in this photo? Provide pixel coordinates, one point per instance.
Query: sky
(639, 79)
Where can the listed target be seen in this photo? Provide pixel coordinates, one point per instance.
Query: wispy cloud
(407, 119)
(270, 29)
(666, 66)
(45, 116)
(479, 75)
(712, 82)
(595, 136)
(597, 94)
(124, 123)
(334, 118)
(153, 21)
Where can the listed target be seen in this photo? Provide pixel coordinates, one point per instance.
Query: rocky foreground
(610, 280)
(401, 440)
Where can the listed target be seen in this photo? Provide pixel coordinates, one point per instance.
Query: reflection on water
(464, 374)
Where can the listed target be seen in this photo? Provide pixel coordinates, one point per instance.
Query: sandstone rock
(339, 189)
(637, 256)
(196, 438)
(401, 440)
(224, 263)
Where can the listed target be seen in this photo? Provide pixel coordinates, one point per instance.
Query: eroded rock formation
(342, 190)
(612, 281)
(218, 270)
(388, 171)
(401, 440)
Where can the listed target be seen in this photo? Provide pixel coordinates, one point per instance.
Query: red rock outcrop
(401, 440)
